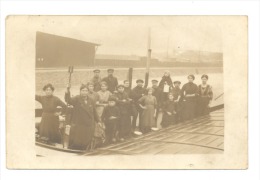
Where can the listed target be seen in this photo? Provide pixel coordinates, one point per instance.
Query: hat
(110, 70)
(205, 76)
(154, 80)
(177, 82)
(112, 98)
(139, 80)
(48, 86)
(96, 70)
(192, 76)
(120, 85)
(83, 86)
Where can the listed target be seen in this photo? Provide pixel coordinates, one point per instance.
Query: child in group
(125, 109)
(169, 111)
(111, 117)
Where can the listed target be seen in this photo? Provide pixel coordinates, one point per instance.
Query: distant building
(118, 60)
(54, 51)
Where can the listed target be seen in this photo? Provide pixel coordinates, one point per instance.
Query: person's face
(126, 84)
(150, 92)
(166, 74)
(96, 74)
(48, 91)
(190, 79)
(103, 87)
(170, 97)
(140, 84)
(121, 89)
(91, 88)
(177, 85)
(111, 103)
(154, 83)
(110, 73)
(204, 80)
(84, 92)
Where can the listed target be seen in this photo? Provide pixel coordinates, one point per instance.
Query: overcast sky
(128, 34)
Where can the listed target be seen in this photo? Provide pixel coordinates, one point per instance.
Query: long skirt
(81, 136)
(168, 120)
(49, 128)
(189, 109)
(202, 107)
(147, 118)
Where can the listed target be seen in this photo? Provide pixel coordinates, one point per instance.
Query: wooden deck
(204, 135)
(201, 136)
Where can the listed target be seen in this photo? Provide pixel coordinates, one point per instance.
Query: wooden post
(148, 60)
(130, 77)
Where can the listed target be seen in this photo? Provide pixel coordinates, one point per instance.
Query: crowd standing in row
(103, 104)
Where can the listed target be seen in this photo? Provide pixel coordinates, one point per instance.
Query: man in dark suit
(111, 81)
(136, 94)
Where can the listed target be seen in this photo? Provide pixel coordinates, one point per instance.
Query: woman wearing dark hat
(49, 126)
(166, 85)
(205, 96)
(83, 119)
(148, 103)
(189, 96)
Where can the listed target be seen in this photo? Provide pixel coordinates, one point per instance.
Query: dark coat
(49, 126)
(82, 121)
(158, 94)
(176, 91)
(137, 93)
(111, 83)
(204, 96)
(167, 80)
(124, 126)
(96, 81)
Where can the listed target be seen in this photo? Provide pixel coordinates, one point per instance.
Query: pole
(148, 60)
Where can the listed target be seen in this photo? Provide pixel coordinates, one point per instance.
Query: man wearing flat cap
(136, 94)
(176, 90)
(158, 93)
(96, 80)
(111, 81)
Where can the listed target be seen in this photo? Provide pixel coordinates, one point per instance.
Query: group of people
(108, 110)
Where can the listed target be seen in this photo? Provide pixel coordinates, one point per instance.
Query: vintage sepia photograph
(129, 85)
(106, 92)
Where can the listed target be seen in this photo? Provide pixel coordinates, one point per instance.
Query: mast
(148, 60)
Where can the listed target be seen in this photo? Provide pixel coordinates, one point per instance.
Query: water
(59, 79)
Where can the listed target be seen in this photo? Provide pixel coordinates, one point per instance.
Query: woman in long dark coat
(169, 111)
(165, 85)
(82, 119)
(49, 126)
(205, 96)
(189, 94)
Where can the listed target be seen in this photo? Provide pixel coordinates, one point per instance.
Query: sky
(128, 35)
